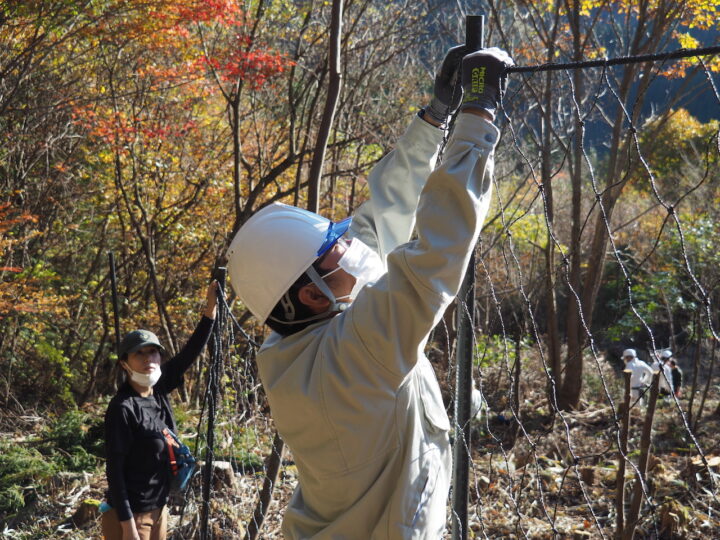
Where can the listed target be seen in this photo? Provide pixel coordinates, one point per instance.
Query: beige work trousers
(150, 525)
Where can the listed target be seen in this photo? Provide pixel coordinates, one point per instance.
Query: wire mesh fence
(592, 247)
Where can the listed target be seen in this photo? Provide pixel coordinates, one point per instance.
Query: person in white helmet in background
(663, 365)
(352, 305)
(641, 375)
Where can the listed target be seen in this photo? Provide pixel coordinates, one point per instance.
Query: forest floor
(547, 476)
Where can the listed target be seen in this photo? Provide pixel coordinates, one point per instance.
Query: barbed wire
(619, 61)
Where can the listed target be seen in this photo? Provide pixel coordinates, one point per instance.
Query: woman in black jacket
(137, 466)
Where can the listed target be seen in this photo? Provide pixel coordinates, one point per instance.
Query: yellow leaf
(687, 41)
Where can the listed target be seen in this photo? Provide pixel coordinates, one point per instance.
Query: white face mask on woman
(361, 262)
(145, 379)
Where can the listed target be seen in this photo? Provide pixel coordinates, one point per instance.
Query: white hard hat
(273, 248)
(667, 353)
(629, 352)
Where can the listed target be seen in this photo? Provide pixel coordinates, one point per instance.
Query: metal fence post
(474, 37)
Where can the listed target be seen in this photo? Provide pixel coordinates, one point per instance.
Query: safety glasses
(335, 231)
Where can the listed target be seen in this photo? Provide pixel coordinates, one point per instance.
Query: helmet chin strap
(334, 306)
(320, 283)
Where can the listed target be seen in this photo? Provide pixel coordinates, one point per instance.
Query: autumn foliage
(13, 291)
(152, 129)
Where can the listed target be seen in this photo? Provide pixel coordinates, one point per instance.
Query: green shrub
(11, 500)
(72, 443)
(493, 350)
(244, 461)
(76, 441)
(20, 468)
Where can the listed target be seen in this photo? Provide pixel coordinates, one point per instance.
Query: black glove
(483, 79)
(447, 91)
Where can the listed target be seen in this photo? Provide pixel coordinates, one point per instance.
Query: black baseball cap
(137, 339)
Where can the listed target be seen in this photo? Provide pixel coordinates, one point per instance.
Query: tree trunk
(571, 389)
(620, 166)
(553, 330)
(334, 86)
(696, 367)
(234, 106)
(698, 416)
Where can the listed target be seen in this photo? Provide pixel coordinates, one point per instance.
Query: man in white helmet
(641, 376)
(351, 392)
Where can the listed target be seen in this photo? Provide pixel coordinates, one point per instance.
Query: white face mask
(146, 379)
(361, 262)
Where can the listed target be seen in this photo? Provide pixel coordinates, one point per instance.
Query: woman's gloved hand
(447, 91)
(483, 79)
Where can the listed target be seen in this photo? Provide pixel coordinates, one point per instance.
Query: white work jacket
(354, 397)
(641, 373)
(665, 382)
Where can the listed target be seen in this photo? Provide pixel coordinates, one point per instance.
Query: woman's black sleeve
(118, 439)
(174, 369)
